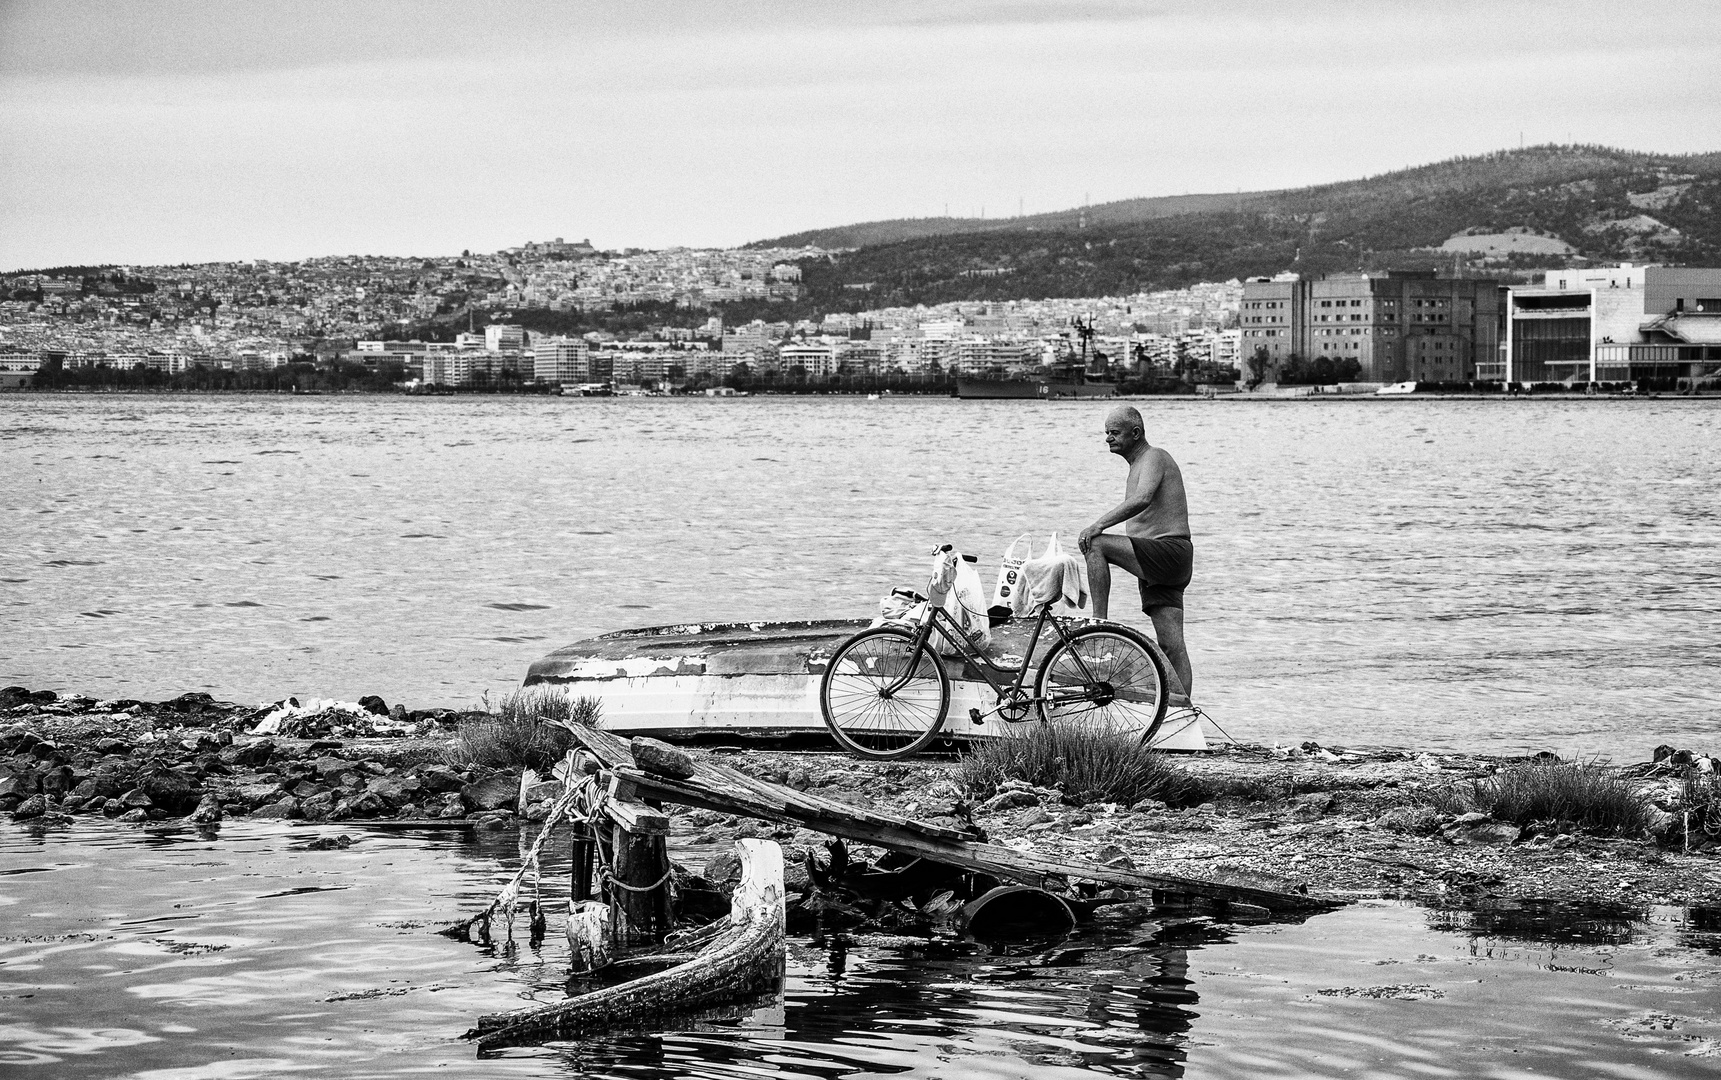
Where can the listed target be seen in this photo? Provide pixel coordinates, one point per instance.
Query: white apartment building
(503, 336)
(817, 358)
(561, 360)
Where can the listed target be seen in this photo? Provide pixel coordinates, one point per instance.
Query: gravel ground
(1343, 825)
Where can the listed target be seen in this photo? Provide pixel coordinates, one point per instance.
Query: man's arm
(1136, 498)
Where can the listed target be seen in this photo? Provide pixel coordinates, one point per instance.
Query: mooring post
(639, 892)
(581, 868)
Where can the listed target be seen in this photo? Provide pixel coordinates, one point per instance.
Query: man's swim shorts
(1166, 565)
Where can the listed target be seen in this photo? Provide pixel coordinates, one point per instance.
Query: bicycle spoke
(881, 697)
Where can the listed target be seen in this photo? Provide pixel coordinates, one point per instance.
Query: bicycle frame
(1012, 689)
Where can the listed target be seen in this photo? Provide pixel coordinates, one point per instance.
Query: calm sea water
(170, 955)
(1474, 575)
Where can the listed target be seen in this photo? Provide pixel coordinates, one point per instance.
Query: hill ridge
(1537, 162)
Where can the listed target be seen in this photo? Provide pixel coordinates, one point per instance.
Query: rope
(608, 878)
(581, 802)
(507, 899)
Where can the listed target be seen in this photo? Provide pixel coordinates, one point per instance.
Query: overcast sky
(191, 130)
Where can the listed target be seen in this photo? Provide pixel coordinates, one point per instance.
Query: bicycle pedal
(975, 718)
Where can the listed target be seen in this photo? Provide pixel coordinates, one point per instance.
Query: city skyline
(194, 132)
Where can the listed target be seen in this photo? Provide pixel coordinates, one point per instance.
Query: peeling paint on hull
(753, 678)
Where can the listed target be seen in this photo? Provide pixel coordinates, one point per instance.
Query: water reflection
(177, 951)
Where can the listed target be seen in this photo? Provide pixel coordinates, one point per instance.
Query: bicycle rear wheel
(1107, 676)
(881, 697)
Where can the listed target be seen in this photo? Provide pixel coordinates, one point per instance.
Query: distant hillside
(1123, 212)
(1541, 206)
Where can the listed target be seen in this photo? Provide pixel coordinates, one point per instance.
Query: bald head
(1124, 435)
(1126, 414)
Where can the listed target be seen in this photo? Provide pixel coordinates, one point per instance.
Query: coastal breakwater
(1319, 819)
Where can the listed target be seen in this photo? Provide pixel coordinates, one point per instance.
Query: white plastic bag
(1008, 597)
(956, 587)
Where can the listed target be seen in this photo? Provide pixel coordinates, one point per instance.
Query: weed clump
(1699, 807)
(527, 730)
(1087, 764)
(1595, 797)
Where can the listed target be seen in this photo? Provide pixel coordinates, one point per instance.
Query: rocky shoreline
(1335, 824)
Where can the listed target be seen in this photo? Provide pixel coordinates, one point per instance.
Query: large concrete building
(1398, 325)
(562, 360)
(1647, 324)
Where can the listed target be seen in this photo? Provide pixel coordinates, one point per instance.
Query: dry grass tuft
(526, 730)
(1594, 796)
(1086, 764)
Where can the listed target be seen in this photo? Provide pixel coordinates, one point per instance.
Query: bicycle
(886, 694)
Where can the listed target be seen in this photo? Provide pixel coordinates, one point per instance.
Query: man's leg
(1105, 551)
(1168, 628)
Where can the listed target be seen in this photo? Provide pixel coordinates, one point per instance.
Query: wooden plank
(625, 810)
(718, 787)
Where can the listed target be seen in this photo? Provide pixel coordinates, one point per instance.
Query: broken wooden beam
(718, 787)
(745, 956)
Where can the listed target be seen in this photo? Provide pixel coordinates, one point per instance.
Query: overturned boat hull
(761, 679)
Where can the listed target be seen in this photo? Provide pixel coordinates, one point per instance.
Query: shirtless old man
(1155, 546)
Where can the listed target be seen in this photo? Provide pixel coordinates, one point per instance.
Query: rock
(18, 739)
(20, 785)
(395, 791)
(329, 768)
(58, 781)
(799, 779)
(1122, 862)
(194, 702)
(1032, 817)
(1080, 817)
(287, 807)
(1312, 807)
(306, 789)
(1128, 912)
(1108, 852)
(49, 751)
(112, 806)
(318, 806)
(662, 759)
(208, 811)
(134, 817)
(374, 705)
(1471, 819)
(170, 789)
(367, 804)
(13, 696)
(1009, 800)
(439, 778)
(722, 867)
(398, 714)
(136, 799)
(258, 794)
(490, 792)
(1487, 833)
(92, 787)
(33, 807)
(547, 791)
(43, 697)
(254, 754)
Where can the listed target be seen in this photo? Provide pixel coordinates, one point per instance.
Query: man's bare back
(1155, 547)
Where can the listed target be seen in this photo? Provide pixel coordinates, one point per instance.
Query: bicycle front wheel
(881, 696)
(1106, 676)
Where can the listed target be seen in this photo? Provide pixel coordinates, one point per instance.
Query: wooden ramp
(715, 786)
